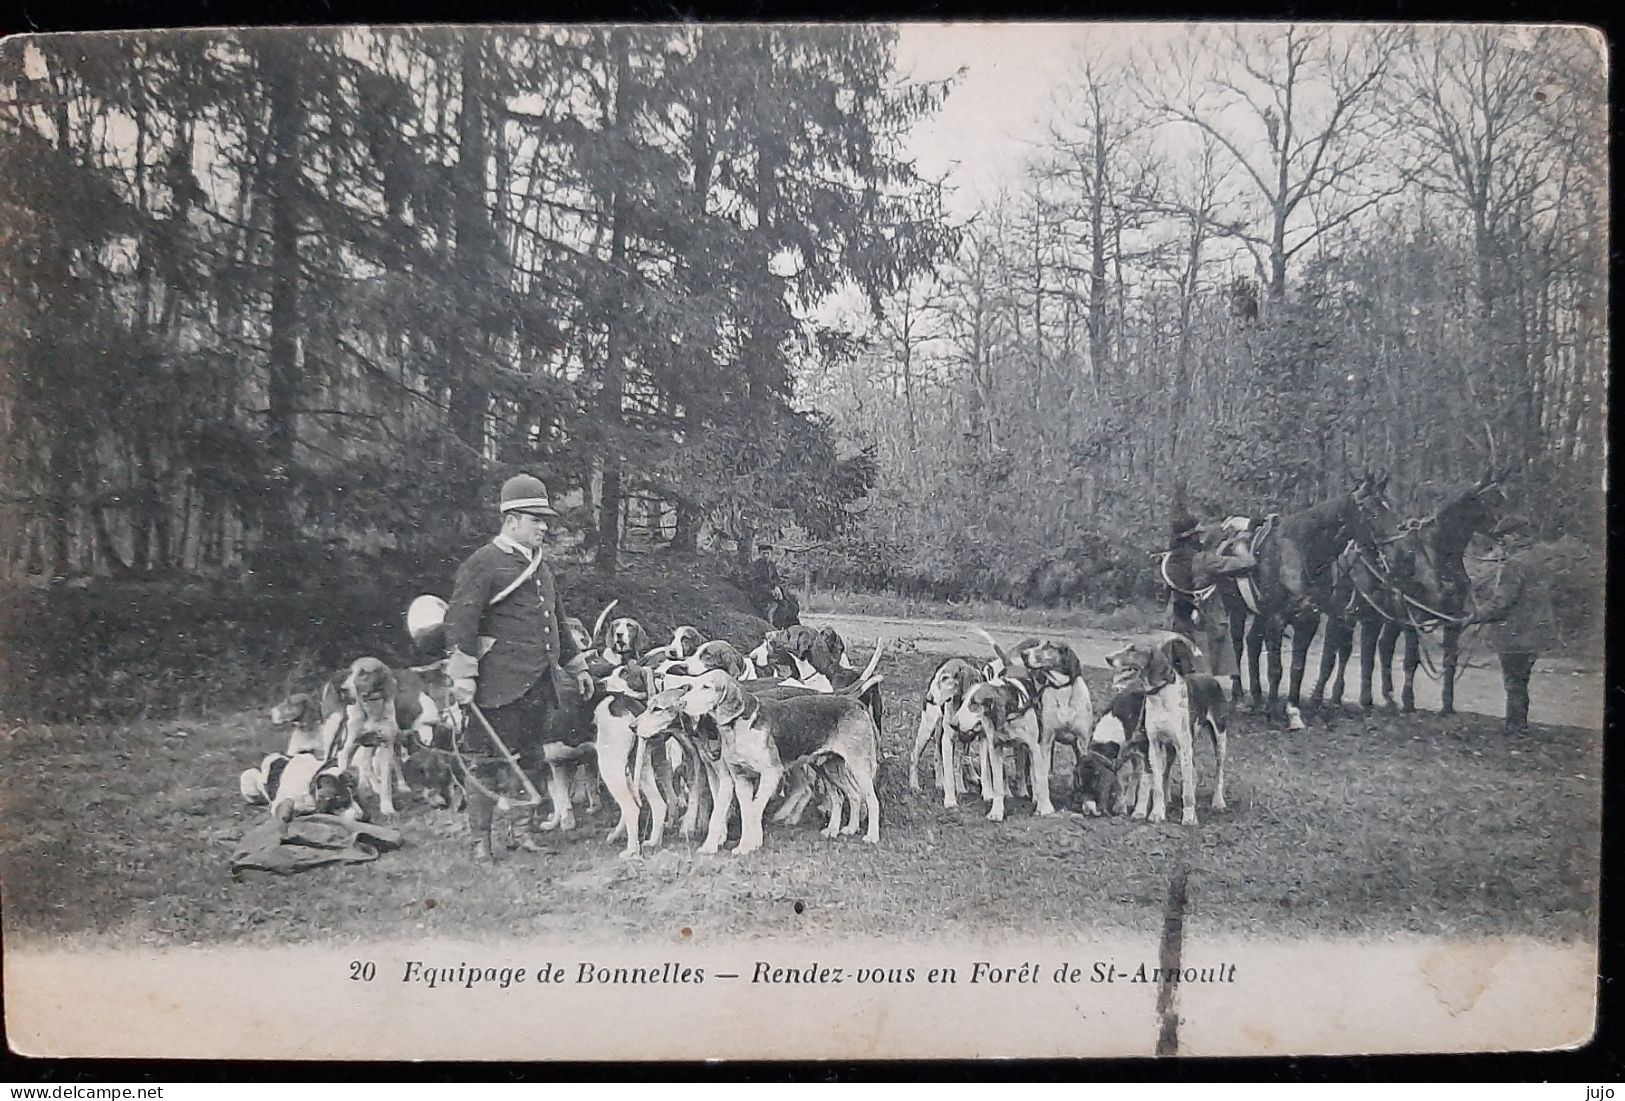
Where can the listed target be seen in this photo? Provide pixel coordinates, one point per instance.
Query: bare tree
(1296, 109)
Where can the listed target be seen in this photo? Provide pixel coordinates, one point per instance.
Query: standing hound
(1164, 673)
(760, 737)
(1065, 711)
(815, 666)
(625, 697)
(950, 683)
(1004, 712)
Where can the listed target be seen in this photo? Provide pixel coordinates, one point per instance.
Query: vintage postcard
(857, 541)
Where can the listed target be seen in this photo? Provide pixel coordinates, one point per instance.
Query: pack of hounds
(683, 729)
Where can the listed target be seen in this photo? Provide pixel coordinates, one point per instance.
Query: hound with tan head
(1003, 712)
(760, 738)
(950, 683)
(628, 641)
(1065, 709)
(371, 730)
(1162, 672)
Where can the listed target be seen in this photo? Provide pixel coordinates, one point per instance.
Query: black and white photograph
(844, 541)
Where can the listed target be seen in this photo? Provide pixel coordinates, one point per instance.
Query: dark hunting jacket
(524, 628)
(1520, 614)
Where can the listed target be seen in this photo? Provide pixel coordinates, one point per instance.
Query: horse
(1293, 580)
(1414, 581)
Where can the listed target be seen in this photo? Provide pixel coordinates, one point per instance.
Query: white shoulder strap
(525, 575)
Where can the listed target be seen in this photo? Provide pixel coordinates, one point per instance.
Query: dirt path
(1559, 692)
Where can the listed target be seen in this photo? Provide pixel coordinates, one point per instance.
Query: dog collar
(746, 711)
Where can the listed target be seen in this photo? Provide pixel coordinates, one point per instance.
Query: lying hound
(761, 737)
(300, 783)
(1162, 673)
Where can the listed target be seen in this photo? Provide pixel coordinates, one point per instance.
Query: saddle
(1261, 531)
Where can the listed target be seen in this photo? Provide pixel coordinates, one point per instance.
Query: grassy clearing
(1129, 617)
(121, 834)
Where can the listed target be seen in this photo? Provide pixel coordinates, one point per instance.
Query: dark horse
(1295, 575)
(1414, 581)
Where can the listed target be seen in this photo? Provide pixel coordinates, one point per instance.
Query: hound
(368, 698)
(626, 695)
(716, 654)
(761, 737)
(628, 641)
(1003, 711)
(950, 683)
(300, 783)
(302, 713)
(1161, 672)
(1065, 711)
(685, 641)
(815, 666)
(1106, 774)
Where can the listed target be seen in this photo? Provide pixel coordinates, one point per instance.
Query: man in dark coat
(505, 629)
(1520, 615)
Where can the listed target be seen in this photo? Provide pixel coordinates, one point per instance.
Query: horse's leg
(1304, 628)
(1385, 654)
(1238, 639)
(1328, 661)
(1345, 646)
(1274, 642)
(1370, 629)
(1255, 661)
(1413, 658)
(1447, 677)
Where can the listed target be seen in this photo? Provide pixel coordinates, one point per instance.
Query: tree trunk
(287, 123)
(610, 415)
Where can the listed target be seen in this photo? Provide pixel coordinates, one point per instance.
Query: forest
(286, 306)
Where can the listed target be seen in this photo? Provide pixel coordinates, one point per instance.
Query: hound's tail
(868, 678)
(603, 617)
(997, 649)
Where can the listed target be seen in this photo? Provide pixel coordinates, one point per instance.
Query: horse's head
(1369, 516)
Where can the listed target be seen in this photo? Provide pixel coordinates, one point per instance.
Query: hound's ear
(1158, 670)
(640, 638)
(1181, 656)
(1070, 664)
